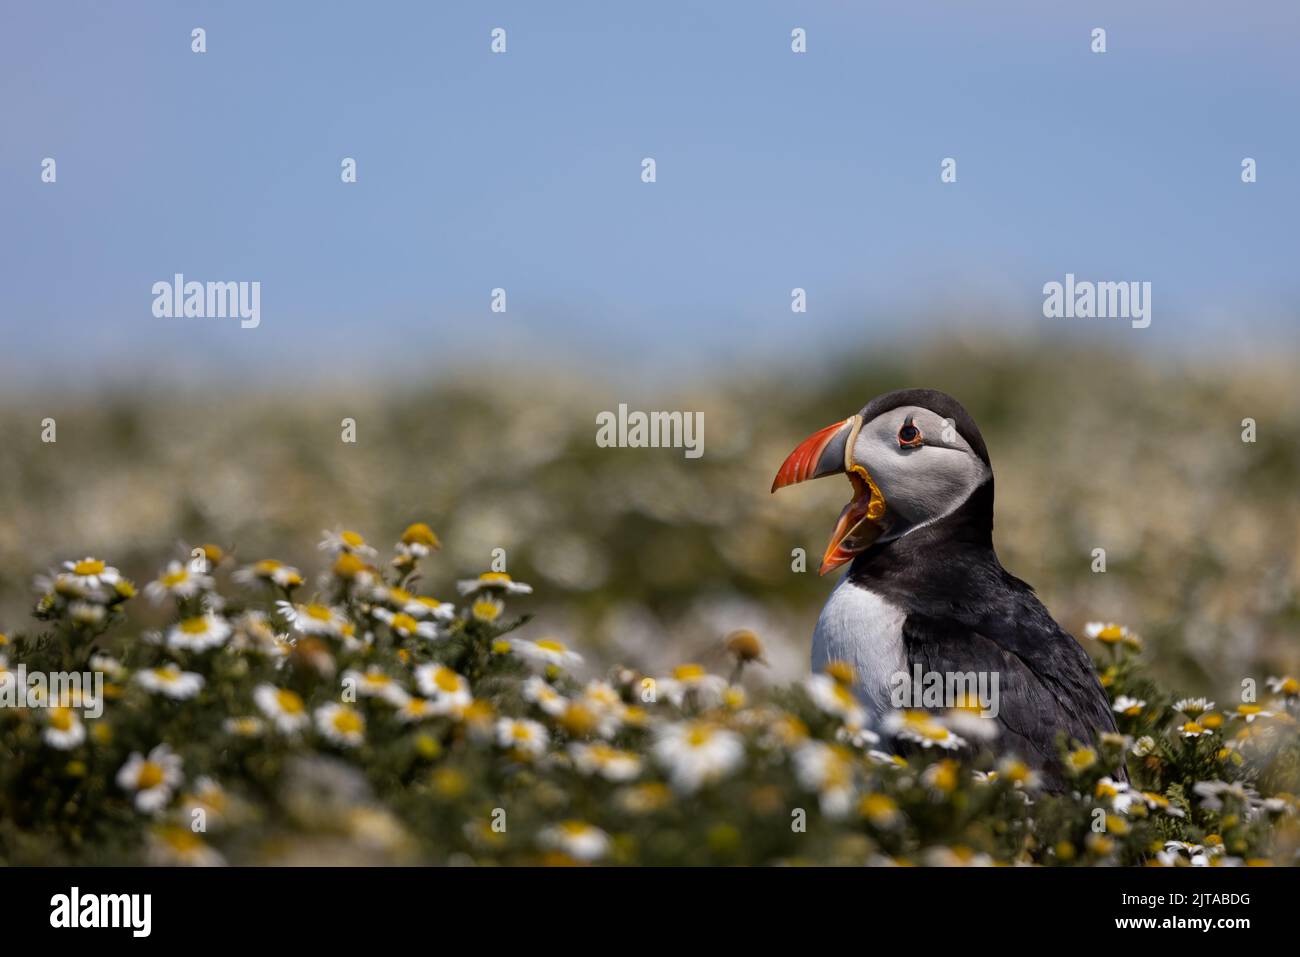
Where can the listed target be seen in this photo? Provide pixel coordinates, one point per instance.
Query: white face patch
(924, 483)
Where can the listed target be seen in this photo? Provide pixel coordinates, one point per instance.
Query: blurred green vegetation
(652, 556)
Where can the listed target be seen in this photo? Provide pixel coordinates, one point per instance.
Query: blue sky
(522, 171)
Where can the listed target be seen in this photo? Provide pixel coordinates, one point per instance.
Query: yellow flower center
(89, 566)
(352, 540)
(688, 672)
(180, 839)
(61, 719)
(420, 534)
(446, 680)
(840, 671)
(548, 644)
(347, 721)
(318, 612)
(288, 701)
(150, 776)
(699, 736)
(486, 610)
(348, 566)
(934, 732)
(494, 577)
(1082, 759)
(172, 579)
(404, 622)
(195, 626)
(877, 806)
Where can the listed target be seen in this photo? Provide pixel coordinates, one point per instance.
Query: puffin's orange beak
(829, 452)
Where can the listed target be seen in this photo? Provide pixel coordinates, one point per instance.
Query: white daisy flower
(244, 726)
(172, 846)
(199, 633)
(253, 632)
(415, 709)
(90, 575)
(1212, 793)
(1192, 729)
(544, 696)
(1129, 707)
(694, 682)
(284, 707)
(343, 541)
(1143, 746)
(169, 680)
(577, 839)
(406, 625)
(63, 729)
(374, 683)
(1193, 707)
(1119, 793)
(608, 762)
(486, 608)
(1285, 685)
(604, 700)
(858, 736)
(971, 724)
(422, 606)
(696, 753)
(152, 779)
(546, 652)
(1107, 632)
(828, 770)
(314, 619)
(341, 724)
(836, 699)
(1019, 774)
(923, 728)
(269, 570)
(1249, 712)
(208, 796)
(109, 666)
(418, 540)
(177, 581)
(86, 613)
(523, 735)
(1197, 854)
(498, 582)
(390, 596)
(1158, 802)
(448, 692)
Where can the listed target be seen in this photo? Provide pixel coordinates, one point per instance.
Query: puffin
(925, 593)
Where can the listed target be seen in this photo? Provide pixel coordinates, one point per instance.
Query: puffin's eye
(909, 436)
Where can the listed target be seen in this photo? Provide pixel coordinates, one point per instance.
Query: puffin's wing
(1046, 683)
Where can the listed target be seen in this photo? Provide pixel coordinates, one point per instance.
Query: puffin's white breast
(865, 630)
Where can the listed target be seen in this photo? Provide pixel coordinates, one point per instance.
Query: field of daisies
(376, 710)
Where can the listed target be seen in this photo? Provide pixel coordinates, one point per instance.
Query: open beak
(829, 452)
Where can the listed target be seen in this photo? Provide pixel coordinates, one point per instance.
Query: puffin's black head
(913, 456)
